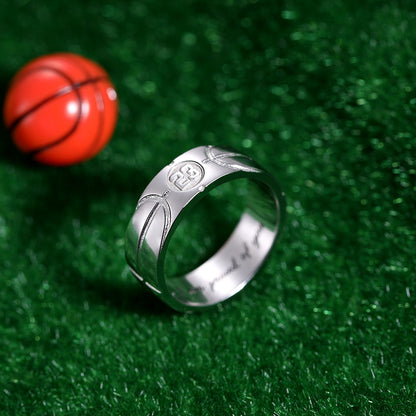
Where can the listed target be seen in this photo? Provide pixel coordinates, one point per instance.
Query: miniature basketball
(61, 109)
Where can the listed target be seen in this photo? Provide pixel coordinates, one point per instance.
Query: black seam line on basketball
(68, 134)
(93, 146)
(41, 68)
(77, 121)
(65, 90)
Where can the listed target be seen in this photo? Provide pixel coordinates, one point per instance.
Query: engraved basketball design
(61, 109)
(229, 159)
(156, 206)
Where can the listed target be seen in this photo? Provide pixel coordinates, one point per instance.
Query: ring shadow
(72, 193)
(68, 194)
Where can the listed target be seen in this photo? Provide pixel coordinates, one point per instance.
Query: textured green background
(321, 93)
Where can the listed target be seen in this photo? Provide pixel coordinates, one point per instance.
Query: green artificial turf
(323, 95)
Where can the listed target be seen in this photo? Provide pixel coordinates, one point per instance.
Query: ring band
(174, 191)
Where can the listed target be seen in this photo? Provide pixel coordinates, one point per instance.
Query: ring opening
(242, 218)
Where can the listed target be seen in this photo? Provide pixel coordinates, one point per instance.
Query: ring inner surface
(231, 267)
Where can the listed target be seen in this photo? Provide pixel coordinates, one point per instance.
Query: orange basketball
(61, 109)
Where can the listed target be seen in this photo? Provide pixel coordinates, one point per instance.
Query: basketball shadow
(7, 149)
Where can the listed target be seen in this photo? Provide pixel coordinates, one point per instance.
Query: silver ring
(171, 194)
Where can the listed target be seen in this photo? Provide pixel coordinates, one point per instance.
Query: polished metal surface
(171, 194)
